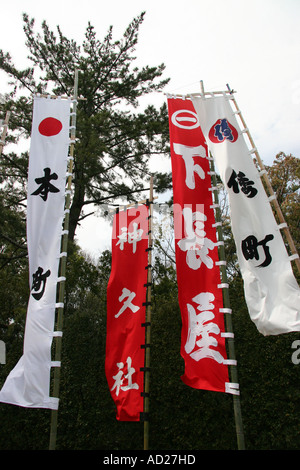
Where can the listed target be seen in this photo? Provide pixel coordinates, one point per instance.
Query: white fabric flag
(28, 384)
(271, 291)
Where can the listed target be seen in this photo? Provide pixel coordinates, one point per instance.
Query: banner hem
(51, 405)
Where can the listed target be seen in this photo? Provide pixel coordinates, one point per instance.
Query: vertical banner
(271, 291)
(28, 384)
(126, 298)
(197, 263)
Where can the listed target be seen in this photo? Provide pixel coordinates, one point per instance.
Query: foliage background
(181, 418)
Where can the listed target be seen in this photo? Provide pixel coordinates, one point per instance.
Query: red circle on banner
(50, 126)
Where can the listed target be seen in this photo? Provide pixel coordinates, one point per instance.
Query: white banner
(271, 291)
(28, 384)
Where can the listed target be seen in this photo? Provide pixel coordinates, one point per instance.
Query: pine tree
(115, 140)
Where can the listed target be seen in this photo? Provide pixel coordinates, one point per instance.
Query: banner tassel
(63, 263)
(233, 386)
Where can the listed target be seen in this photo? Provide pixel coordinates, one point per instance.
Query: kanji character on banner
(202, 346)
(126, 296)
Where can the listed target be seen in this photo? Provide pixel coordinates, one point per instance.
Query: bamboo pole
(4, 132)
(148, 324)
(226, 302)
(272, 195)
(228, 318)
(132, 204)
(45, 95)
(189, 95)
(63, 263)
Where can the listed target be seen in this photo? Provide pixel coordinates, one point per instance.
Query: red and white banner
(126, 297)
(197, 263)
(28, 384)
(271, 291)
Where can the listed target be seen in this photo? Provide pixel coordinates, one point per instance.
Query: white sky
(252, 45)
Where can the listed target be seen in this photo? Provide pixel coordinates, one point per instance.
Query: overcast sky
(252, 45)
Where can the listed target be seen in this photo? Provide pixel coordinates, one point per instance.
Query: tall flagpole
(226, 302)
(228, 319)
(148, 325)
(63, 263)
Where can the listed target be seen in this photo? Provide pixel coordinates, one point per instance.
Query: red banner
(126, 294)
(197, 263)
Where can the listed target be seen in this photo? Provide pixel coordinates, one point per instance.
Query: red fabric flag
(126, 294)
(198, 273)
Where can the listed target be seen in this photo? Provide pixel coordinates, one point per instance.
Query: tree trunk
(76, 206)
